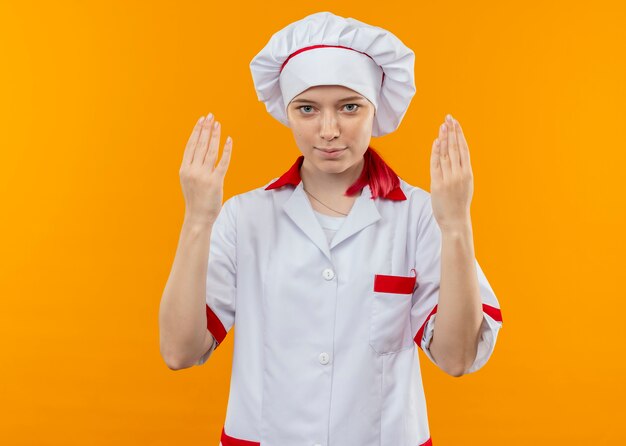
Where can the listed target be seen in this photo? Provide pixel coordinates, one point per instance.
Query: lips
(331, 150)
(331, 154)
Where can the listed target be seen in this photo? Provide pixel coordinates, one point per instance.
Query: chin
(333, 166)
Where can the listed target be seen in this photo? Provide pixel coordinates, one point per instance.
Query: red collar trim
(292, 177)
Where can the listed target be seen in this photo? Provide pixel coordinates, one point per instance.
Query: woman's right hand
(203, 182)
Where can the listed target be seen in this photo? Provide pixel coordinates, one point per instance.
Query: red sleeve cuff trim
(491, 311)
(420, 332)
(214, 325)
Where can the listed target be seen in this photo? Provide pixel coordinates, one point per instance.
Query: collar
(292, 177)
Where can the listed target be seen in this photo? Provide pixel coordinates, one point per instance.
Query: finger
(222, 166)
(213, 146)
(444, 156)
(205, 134)
(435, 164)
(463, 148)
(453, 147)
(191, 142)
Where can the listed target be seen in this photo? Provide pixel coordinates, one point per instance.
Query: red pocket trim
(394, 284)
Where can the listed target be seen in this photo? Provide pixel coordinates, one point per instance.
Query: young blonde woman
(334, 272)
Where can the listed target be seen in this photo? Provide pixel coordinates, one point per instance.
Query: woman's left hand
(452, 183)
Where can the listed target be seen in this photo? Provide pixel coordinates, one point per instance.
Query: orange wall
(98, 101)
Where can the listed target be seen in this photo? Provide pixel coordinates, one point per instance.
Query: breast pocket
(390, 323)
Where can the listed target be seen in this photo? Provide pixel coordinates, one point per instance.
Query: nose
(329, 127)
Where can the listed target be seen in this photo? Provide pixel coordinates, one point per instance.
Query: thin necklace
(323, 203)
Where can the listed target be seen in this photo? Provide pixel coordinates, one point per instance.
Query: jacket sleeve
(426, 293)
(221, 280)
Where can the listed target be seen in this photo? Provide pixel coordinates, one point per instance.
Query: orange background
(98, 102)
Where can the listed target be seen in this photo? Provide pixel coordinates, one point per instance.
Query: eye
(304, 106)
(354, 109)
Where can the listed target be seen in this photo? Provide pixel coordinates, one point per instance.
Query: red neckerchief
(292, 176)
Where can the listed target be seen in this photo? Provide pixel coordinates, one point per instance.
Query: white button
(328, 274)
(324, 358)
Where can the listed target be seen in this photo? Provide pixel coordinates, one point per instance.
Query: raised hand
(452, 182)
(203, 182)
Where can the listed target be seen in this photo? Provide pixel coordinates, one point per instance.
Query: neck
(327, 184)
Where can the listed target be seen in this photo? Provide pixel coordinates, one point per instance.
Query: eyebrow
(351, 98)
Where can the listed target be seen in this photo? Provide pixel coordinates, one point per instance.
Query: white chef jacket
(328, 323)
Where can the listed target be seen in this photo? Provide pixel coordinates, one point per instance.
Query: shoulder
(252, 198)
(416, 196)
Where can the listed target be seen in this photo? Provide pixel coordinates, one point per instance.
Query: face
(331, 117)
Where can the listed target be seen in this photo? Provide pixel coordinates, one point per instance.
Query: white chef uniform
(328, 323)
(325, 351)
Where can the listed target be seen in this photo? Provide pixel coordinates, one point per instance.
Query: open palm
(452, 183)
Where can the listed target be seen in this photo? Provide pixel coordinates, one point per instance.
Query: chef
(336, 271)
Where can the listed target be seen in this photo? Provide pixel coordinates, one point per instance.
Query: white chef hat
(326, 49)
